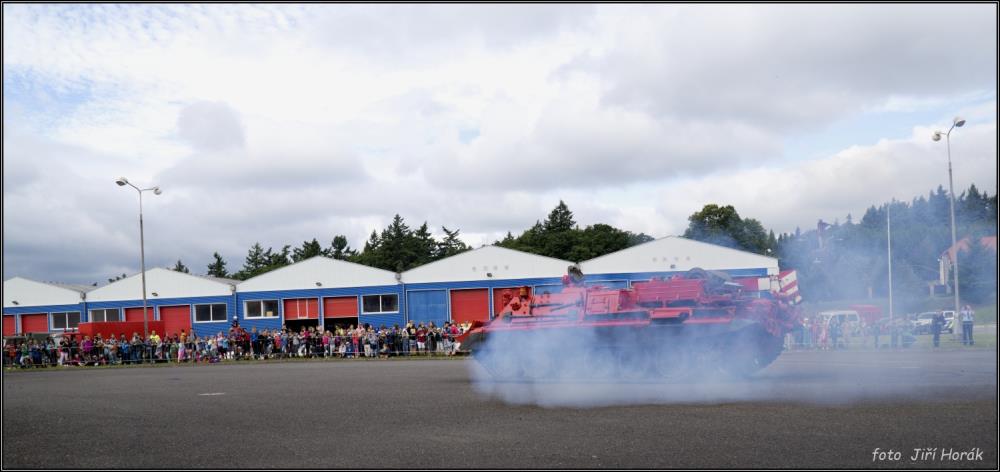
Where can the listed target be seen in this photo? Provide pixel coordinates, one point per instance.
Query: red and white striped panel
(788, 285)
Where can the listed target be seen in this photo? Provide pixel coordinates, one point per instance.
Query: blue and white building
(674, 255)
(321, 291)
(191, 303)
(39, 307)
(325, 292)
(469, 286)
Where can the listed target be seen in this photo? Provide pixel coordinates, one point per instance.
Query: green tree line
(849, 260)
(398, 247)
(834, 261)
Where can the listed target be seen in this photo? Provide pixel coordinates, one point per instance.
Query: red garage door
(340, 307)
(498, 298)
(35, 323)
(135, 314)
(175, 319)
(470, 305)
(301, 309)
(9, 325)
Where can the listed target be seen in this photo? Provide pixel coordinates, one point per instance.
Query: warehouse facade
(321, 292)
(469, 286)
(674, 255)
(37, 307)
(326, 293)
(184, 302)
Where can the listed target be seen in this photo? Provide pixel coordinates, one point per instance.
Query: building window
(68, 320)
(261, 309)
(380, 303)
(210, 313)
(106, 314)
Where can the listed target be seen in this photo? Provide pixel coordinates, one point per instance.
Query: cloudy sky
(279, 124)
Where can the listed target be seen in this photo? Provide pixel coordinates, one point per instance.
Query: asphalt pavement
(807, 410)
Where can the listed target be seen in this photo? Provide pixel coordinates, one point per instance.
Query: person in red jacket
(421, 338)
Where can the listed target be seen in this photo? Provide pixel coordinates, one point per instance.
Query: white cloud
(278, 124)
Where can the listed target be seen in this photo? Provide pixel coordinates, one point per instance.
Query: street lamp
(122, 181)
(888, 242)
(956, 123)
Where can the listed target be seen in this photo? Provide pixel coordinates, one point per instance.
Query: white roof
(501, 262)
(165, 283)
(674, 253)
(31, 293)
(329, 273)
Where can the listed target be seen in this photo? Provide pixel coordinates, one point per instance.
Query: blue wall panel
(34, 310)
(319, 293)
(46, 309)
(199, 329)
(427, 305)
(441, 299)
(387, 320)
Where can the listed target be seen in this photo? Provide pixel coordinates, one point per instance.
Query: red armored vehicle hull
(696, 323)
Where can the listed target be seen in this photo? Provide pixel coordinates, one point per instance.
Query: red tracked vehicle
(700, 322)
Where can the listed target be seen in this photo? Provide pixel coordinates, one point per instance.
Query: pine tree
(308, 249)
(424, 247)
(277, 259)
(255, 264)
(218, 267)
(560, 219)
(451, 245)
(637, 239)
(396, 251)
(339, 249)
(369, 255)
(977, 269)
(180, 267)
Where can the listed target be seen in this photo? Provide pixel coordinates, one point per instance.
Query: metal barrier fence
(46, 356)
(796, 340)
(202, 351)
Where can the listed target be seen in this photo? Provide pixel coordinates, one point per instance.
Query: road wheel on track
(751, 351)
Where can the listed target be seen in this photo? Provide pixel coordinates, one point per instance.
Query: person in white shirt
(967, 316)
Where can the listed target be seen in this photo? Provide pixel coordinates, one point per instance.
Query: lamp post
(888, 241)
(122, 181)
(956, 123)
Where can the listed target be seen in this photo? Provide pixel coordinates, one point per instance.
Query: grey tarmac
(808, 410)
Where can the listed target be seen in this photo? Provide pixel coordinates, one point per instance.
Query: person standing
(876, 331)
(936, 324)
(411, 337)
(967, 317)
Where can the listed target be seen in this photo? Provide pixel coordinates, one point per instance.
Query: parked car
(924, 323)
(949, 321)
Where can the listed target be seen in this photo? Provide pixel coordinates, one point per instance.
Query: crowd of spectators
(365, 341)
(833, 333)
